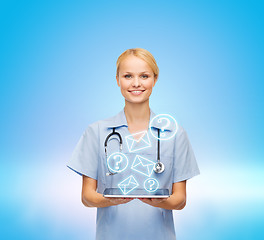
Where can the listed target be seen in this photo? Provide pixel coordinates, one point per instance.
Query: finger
(146, 200)
(156, 201)
(141, 199)
(126, 200)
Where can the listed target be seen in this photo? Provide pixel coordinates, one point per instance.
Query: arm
(91, 198)
(176, 201)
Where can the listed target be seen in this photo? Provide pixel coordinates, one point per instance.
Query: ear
(155, 80)
(117, 79)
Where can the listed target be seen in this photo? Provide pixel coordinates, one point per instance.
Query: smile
(137, 92)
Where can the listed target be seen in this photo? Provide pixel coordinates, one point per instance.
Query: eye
(145, 76)
(128, 76)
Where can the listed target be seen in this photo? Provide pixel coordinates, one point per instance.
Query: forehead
(134, 64)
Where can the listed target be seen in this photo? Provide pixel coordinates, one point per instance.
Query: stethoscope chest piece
(159, 167)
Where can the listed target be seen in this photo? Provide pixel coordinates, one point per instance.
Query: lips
(136, 92)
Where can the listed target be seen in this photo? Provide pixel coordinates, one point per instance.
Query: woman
(128, 218)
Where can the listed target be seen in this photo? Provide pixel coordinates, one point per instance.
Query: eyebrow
(140, 72)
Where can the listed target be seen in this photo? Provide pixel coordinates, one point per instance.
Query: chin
(138, 101)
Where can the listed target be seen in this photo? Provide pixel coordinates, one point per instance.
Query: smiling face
(135, 79)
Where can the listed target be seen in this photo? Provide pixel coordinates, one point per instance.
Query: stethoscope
(159, 166)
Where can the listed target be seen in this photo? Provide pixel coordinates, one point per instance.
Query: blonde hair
(141, 53)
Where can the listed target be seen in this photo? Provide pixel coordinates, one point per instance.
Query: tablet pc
(136, 193)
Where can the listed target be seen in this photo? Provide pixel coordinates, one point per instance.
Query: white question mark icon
(153, 182)
(165, 126)
(117, 163)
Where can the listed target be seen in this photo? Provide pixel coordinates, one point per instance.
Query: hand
(117, 201)
(155, 202)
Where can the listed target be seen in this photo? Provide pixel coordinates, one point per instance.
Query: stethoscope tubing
(120, 147)
(110, 135)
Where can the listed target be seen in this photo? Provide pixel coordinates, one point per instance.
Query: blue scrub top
(133, 220)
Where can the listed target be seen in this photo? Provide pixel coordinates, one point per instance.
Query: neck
(137, 113)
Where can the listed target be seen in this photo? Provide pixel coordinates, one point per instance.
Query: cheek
(124, 84)
(149, 84)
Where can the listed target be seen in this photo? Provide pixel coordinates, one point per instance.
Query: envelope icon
(128, 184)
(138, 141)
(143, 165)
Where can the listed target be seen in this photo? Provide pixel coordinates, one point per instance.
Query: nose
(136, 82)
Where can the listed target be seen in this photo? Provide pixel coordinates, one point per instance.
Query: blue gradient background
(57, 71)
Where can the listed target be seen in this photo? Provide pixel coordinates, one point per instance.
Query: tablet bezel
(149, 195)
(136, 196)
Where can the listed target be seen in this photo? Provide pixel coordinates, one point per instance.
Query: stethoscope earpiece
(110, 173)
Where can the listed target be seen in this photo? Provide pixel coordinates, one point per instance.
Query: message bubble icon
(167, 125)
(117, 162)
(151, 185)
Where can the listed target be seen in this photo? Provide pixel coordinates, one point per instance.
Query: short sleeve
(185, 165)
(85, 157)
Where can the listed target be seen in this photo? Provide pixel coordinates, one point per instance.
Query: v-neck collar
(119, 120)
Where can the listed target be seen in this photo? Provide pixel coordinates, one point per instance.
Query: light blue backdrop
(57, 71)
